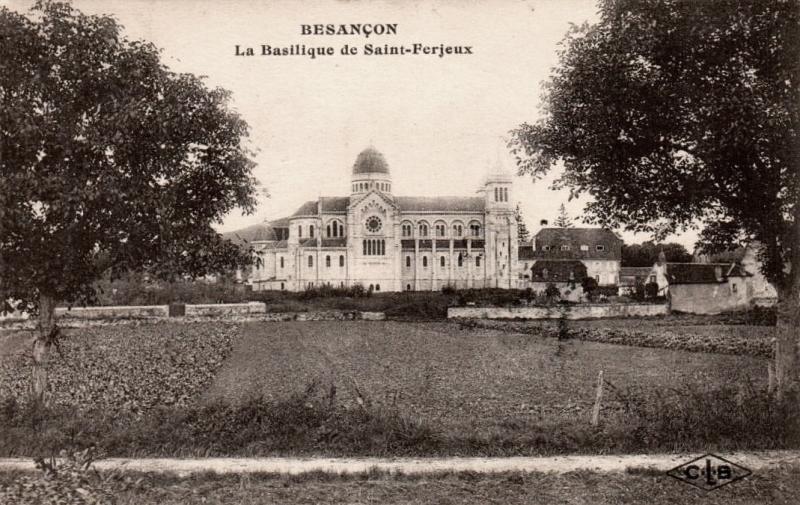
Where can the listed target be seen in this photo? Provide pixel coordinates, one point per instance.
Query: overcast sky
(440, 122)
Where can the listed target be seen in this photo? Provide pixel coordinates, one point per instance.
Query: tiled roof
(307, 209)
(635, 271)
(526, 252)
(334, 203)
(258, 232)
(558, 271)
(334, 242)
(701, 273)
(574, 238)
(440, 203)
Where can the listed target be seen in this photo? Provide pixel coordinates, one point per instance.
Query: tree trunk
(42, 346)
(787, 355)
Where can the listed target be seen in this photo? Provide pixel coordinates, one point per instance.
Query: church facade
(392, 243)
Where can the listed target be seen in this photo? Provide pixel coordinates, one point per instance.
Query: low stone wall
(580, 311)
(130, 311)
(79, 317)
(224, 309)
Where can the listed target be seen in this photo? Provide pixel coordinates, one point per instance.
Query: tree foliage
(646, 253)
(110, 162)
(669, 113)
(563, 220)
(522, 229)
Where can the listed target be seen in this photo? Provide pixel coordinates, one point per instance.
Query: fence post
(597, 399)
(771, 377)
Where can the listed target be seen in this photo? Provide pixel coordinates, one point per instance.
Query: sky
(441, 123)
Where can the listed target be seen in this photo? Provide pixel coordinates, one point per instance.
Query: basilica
(392, 243)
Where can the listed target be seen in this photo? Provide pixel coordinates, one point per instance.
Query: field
(442, 373)
(384, 388)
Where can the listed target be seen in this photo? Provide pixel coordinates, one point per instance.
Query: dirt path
(558, 464)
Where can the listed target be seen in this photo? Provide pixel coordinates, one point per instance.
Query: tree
(522, 231)
(110, 163)
(672, 114)
(563, 220)
(646, 253)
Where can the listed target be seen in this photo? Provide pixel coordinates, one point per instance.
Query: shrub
(552, 292)
(589, 285)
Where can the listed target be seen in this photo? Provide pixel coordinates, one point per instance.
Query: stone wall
(224, 309)
(710, 298)
(582, 311)
(130, 311)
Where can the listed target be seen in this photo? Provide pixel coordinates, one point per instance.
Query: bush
(552, 292)
(589, 285)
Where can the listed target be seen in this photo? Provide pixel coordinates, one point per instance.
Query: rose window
(373, 224)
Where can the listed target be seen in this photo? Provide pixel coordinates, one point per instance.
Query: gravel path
(559, 464)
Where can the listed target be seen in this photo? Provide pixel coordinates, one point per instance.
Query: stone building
(391, 243)
(598, 249)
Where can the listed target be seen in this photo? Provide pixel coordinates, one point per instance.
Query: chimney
(543, 222)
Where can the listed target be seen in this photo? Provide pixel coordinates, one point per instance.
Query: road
(754, 461)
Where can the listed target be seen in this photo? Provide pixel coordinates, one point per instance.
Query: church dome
(370, 161)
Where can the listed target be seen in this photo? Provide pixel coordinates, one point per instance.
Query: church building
(392, 243)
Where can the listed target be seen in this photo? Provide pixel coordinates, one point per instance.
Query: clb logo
(709, 472)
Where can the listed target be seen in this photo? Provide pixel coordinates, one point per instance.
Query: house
(703, 288)
(566, 275)
(629, 277)
(598, 249)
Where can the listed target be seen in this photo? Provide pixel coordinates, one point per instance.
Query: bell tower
(502, 248)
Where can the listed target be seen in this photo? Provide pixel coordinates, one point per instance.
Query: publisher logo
(709, 472)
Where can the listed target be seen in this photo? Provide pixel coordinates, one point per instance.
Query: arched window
(477, 261)
(475, 229)
(364, 243)
(408, 287)
(424, 262)
(341, 260)
(423, 230)
(460, 260)
(441, 261)
(377, 287)
(408, 261)
(327, 261)
(281, 261)
(328, 231)
(311, 231)
(300, 231)
(281, 286)
(458, 230)
(369, 247)
(495, 195)
(310, 261)
(406, 230)
(440, 229)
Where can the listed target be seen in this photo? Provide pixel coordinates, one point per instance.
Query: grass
(779, 486)
(442, 373)
(414, 389)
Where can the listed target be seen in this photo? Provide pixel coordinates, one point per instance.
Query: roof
(440, 203)
(370, 161)
(558, 271)
(573, 239)
(258, 232)
(701, 273)
(526, 252)
(334, 203)
(309, 208)
(635, 271)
